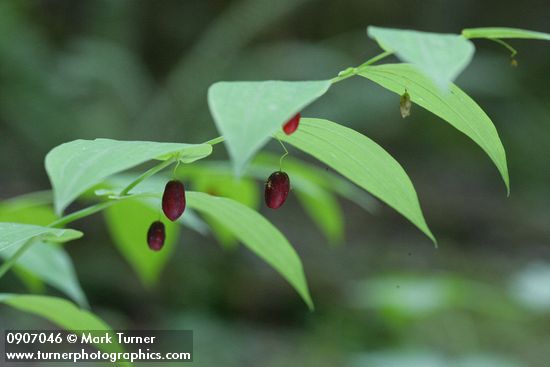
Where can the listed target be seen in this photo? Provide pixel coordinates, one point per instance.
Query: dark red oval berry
(173, 200)
(292, 124)
(156, 236)
(277, 187)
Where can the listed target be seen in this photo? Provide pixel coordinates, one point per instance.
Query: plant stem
(375, 59)
(81, 213)
(506, 45)
(283, 156)
(349, 72)
(215, 141)
(150, 172)
(6, 266)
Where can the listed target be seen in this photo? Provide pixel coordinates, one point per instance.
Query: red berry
(277, 187)
(292, 124)
(156, 236)
(173, 200)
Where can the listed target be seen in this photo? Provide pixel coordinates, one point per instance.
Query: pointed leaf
(501, 32)
(76, 166)
(442, 57)
(248, 113)
(363, 162)
(64, 314)
(52, 264)
(49, 262)
(128, 222)
(16, 234)
(258, 234)
(56, 310)
(456, 107)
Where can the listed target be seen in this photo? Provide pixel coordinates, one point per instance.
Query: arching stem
(283, 156)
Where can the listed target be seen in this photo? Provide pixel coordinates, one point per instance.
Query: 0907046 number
(31, 338)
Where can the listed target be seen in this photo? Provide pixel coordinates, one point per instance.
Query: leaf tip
(309, 303)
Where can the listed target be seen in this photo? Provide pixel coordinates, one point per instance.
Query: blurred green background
(139, 70)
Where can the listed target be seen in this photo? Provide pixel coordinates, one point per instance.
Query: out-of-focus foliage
(44, 260)
(128, 222)
(140, 70)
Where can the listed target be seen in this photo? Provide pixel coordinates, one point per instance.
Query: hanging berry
(291, 125)
(405, 104)
(156, 236)
(173, 200)
(277, 187)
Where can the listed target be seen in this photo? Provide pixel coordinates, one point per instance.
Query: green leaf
(221, 183)
(258, 234)
(501, 32)
(76, 166)
(16, 234)
(128, 222)
(248, 113)
(456, 107)
(33, 283)
(26, 210)
(363, 162)
(52, 264)
(49, 262)
(56, 310)
(62, 313)
(442, 57)
(325, 211)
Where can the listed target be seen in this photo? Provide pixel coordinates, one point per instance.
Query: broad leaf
(456, 107)
(76, 166)
(128, 222)
(32, 282)
(64, 314)
(258, 234)
(52, 264)
(49, 262)
(248, 113)
(442, 57)
(221, 182)
(56, 310)
(363, 162)
(501, 32)
(17, 234)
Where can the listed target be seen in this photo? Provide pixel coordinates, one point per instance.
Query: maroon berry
(292, 124)
(156, 236)
(173, 200)
(277, 187)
